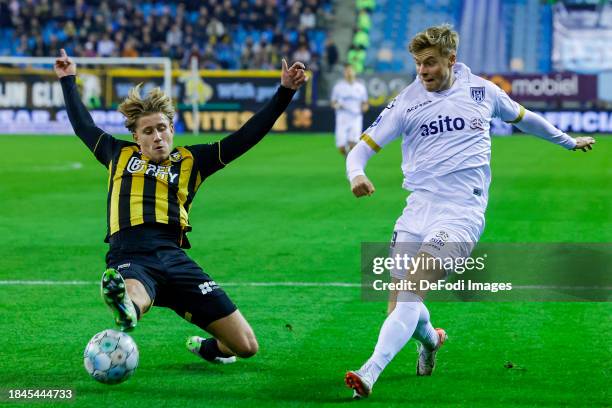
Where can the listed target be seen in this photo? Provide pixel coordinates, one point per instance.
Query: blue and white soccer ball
(111, 357)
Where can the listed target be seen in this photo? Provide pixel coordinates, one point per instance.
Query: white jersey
(446, 145)
(350, 97)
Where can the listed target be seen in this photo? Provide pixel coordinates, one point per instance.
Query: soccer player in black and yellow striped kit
(151, 187)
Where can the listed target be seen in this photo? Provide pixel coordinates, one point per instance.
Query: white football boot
(427, 358)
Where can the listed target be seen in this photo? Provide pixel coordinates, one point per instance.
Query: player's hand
(293, 77)
(64, 66)
(362, 186)
(584, 143)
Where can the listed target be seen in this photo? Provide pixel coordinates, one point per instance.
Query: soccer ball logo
(111, 357)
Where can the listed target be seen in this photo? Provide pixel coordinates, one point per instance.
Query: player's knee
(248, 347)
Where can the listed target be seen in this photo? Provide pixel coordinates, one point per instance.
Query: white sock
(425, 332)
(394, 334)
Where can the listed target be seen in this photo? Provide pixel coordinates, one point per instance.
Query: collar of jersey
(148, 159)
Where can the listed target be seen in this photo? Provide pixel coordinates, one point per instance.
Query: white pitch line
(45, 282)
(58, 167)
(290, 284)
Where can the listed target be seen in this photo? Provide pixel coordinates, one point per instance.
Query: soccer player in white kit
(443, 119)
(350, 100)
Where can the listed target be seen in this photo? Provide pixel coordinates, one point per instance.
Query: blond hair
(442, 37)
(134, 107)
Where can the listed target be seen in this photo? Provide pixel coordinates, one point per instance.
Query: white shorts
(437, 227)
(348, 129)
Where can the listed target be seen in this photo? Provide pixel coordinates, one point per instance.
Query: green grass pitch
(284, 213)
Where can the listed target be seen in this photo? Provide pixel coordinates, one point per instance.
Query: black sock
(137, 311)
(210, 350)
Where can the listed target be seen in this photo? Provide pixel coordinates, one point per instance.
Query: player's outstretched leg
(427, 356)
(408, 314)
(208, 349)
(115, 295)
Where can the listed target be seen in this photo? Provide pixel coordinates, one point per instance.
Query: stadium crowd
(222, 34)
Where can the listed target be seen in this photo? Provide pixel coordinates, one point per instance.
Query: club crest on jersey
(477, 93)
(176, 157)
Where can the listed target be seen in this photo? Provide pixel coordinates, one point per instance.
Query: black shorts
(175, 281)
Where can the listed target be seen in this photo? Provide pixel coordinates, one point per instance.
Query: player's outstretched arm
(535, 124)
(238, 143)
(355, 166)
(214, 157)
(99, 142)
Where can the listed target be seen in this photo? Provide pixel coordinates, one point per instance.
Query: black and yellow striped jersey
(144, 192)
(140, 191)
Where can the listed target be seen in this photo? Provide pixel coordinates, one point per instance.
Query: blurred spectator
(174, 37)
(302, 54)
(208, 60)
(22, 48)
(331, 54)
(129, 51)
(105, 46)
(69, 30)
(292, 21)
(40, 48)
(285, 51)
(215, 28)
(308, 20)
(90, 46)
(247, 54)
(263, 56)
(193, 52)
